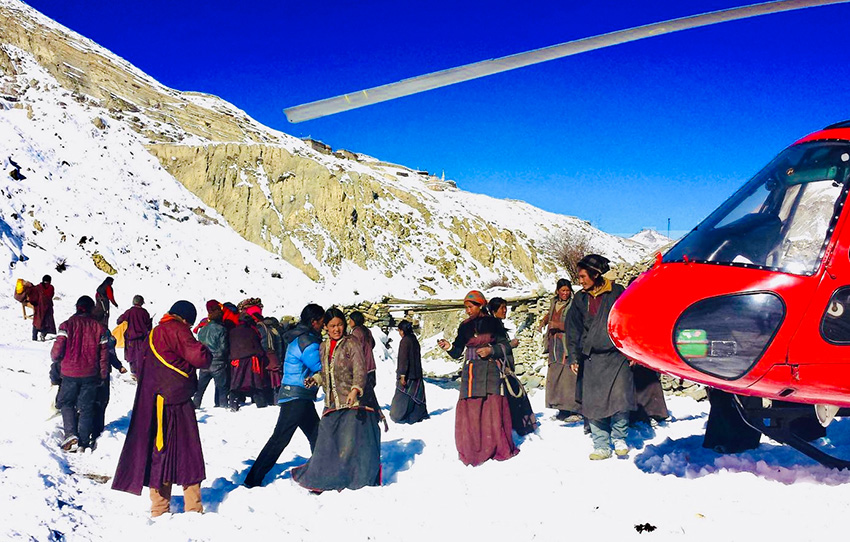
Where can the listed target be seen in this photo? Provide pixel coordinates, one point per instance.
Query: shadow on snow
(397, 456)
(686, 458)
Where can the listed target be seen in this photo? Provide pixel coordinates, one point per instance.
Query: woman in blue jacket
(297, 408)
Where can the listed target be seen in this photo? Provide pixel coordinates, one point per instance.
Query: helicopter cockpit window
(782, 218)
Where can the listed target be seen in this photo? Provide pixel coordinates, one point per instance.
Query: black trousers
(101, 400)
(222, 386)
(78, 394)
(298, 413)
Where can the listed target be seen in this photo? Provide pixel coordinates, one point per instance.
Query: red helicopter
(756, 299)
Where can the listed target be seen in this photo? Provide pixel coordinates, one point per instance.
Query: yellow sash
(160, 400)
(170, 366)
(160, 434)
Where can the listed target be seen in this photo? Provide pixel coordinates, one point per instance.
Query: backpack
(22, 288)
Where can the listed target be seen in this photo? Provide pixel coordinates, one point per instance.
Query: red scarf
(331, 349)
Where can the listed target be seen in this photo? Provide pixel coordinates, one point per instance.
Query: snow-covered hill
(651, 239)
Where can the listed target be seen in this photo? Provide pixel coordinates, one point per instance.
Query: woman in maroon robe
(482, 416)
(163, 446)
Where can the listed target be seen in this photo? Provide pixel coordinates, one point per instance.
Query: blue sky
(624, 137)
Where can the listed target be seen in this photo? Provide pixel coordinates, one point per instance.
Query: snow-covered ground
(550, 491)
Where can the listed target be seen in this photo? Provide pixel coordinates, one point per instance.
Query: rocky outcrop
(293, 205)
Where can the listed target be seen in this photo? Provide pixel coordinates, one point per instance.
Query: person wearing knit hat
(84, 304)
(596, 263)
(185, 310)
(214, 336)
(163, 445)
(139, 325)
(607, 384)
(482, 415)
(475, 297)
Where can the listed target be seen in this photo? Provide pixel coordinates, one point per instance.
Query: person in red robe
(135, 336)
(163, 446)
(40, 297)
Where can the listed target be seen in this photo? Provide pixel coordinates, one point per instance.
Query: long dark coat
(41, 298)
(408, 405)
(163, 443)
(248, 372)
(605, 378)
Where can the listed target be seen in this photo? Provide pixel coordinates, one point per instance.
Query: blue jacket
(301, 360)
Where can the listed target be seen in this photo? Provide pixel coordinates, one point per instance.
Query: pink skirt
(483, 430)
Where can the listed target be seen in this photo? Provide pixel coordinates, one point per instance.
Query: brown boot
(160, 500)
(192, 499)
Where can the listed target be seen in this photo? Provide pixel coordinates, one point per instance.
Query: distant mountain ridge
(651, 239)
(335, 216)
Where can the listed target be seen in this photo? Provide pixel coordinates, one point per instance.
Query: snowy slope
(550, 491)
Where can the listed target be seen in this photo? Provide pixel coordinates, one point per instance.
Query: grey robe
(605, 379)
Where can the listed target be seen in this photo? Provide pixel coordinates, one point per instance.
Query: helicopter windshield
(781, 219)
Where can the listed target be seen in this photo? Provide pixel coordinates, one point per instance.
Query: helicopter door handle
(828, 260)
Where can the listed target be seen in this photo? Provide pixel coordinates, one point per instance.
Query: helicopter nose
(640, 322)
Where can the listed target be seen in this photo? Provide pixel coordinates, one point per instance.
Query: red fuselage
(805, 357)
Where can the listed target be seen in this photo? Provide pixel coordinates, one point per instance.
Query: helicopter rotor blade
(415, 85)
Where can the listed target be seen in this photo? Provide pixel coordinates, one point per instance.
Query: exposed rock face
(343, 212)
(91, 73)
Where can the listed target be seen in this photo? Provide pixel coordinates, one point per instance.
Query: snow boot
(600, 453)
(621, 448)
(70, 444)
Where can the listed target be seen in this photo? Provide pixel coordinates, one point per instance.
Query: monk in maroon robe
(163, 446)
(136, 336)
(40, 297)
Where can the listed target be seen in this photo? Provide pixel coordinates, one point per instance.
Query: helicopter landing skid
(776, 423)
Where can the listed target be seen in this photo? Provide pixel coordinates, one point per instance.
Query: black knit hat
(595, 262)
(85, 304)
(185, 310)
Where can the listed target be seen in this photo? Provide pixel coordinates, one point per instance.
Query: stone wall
(442, 317)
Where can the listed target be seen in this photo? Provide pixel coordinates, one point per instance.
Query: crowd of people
(246, 354)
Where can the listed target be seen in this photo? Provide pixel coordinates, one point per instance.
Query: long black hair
(312, 312)
(495, 304)
(334, 312)
(406, 326)
(357, 318)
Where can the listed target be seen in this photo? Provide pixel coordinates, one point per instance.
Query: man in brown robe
(163, 446)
